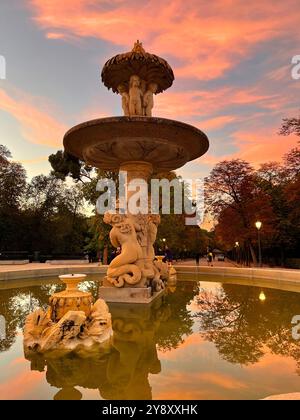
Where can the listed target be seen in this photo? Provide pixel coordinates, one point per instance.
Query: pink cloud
(55, 35)
(217, 122)
(206, 103)
(36, 120)
(210, 38)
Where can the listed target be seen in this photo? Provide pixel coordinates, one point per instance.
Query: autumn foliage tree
(232, 196)
(237, 196)
(290, 126)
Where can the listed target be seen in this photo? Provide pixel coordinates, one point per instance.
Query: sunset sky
(231, 60)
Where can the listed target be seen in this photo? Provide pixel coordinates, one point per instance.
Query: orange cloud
(55, 35)
(257, 147)
(20, 386)
(34, 161)
(204, 103)
(263, 145)
(221, 380)
(217, 122)
(36, 123)
(196, 385)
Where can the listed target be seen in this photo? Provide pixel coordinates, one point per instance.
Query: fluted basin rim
(108, 142)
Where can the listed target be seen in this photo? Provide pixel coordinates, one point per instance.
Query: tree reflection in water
(242, 327)
(173, 330)
(16, 303)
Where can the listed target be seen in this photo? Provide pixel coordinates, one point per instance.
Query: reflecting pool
(203, 340)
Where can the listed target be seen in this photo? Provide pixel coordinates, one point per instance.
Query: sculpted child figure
(148, 99)
(135, 96)
(125, 99)
(123, 268)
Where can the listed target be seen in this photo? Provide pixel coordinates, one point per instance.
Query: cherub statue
(148, 99)
(123, 268)
(125, 99)
(135, 96)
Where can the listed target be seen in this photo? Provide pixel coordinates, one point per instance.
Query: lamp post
(237, 251)
(258, 226)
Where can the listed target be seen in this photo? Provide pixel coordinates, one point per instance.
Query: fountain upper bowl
(106, 143)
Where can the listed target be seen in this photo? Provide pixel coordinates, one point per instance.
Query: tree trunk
(105, 255)
(253, 255)
(282, 256)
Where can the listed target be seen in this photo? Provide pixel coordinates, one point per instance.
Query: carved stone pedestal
(129, 294)
(133, 276)
(70, 299)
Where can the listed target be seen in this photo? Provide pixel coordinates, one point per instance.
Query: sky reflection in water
(205, 340)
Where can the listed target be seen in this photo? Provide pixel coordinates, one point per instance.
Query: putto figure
(125, 99)
(135, 96)
(123, 268)
(148, 102)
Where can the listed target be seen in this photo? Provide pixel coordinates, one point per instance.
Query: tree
(53, 218)
(12, 182)
(43, 195)
(12, 187)
(291, 162)
(64, 164)
(230, 192)
(292, 196)
(4, 155)
(282, 186)
(290, 126)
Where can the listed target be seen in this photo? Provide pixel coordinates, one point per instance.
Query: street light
(262, 296)
(164, 244)
(237, 251)
(258, 226)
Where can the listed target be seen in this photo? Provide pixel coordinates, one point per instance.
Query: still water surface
(204, 340)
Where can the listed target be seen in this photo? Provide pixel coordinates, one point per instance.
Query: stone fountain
(139, 144)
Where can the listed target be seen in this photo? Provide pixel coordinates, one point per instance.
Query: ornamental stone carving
(134, 266)
(70, 323)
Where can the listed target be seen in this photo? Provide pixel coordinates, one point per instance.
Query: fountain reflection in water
(121, 371)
